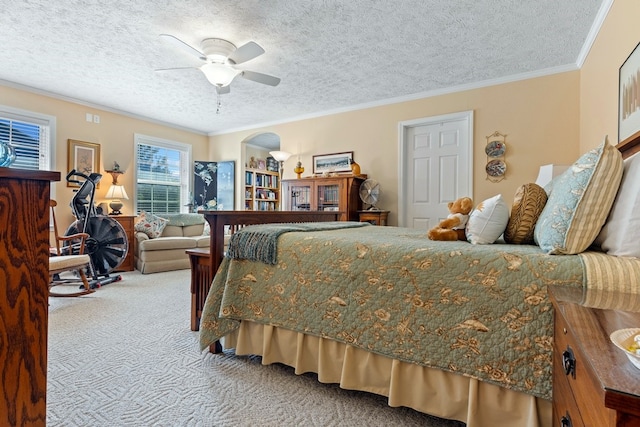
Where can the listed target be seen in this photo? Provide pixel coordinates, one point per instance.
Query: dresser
(24, 253)
(594, 384)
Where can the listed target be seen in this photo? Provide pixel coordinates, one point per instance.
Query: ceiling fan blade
(184, 46)
(176, 68)
(260, 78)
(246, 52)
(223, 89)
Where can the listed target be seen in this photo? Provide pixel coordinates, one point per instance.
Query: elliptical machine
(107, 244)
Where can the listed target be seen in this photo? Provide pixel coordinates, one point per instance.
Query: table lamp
(116, 194)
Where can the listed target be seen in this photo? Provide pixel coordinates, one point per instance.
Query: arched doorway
(258, 164)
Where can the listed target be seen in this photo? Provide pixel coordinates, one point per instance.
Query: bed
(456, 330)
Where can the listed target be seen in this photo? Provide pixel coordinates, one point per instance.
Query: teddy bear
(453, 226)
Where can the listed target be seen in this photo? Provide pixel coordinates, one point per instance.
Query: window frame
(185, 162)
(38, 119)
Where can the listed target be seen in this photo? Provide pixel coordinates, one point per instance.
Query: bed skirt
(439, 393)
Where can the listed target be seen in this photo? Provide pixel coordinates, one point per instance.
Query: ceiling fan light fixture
(219, 74)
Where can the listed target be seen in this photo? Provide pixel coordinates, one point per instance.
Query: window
(162, 175)
(31, 134)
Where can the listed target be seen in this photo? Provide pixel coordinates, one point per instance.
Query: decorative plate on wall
(495, 149)
(496, 164)
(496, 168)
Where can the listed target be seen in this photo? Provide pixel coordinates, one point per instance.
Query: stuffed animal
(453, 226)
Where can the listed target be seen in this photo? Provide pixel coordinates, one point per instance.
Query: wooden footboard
(204, 267)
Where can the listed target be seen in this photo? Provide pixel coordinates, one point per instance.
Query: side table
(127, 222)
(594, 383)
(374, 217)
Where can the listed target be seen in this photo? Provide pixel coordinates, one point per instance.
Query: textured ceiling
(330, 54)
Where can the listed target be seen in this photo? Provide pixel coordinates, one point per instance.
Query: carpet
(125, 356)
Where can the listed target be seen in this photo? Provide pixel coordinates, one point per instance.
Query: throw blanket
(259, 242)
(476, 310)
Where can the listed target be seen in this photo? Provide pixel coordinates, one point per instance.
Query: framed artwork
(214, 185)
(84, 157)
(262, 164)
(629, 97)
(336, 162)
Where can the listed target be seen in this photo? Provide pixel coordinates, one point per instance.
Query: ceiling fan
(220, 57)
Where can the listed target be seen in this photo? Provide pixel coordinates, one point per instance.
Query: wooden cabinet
(261, 190)
(127, 222)
(374, 217)
(594, 384)
(24, 284)
(324, 194)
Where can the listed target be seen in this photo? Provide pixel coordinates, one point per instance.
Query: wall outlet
(96, 118)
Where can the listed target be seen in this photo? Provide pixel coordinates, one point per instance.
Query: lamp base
(115, 206)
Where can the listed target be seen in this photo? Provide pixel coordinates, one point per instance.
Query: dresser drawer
(580, 385)
(564, 405)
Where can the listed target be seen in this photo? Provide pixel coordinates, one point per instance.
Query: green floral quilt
(477, 310)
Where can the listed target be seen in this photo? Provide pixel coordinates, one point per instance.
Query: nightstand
(126, 221)
(594, 384)
(374, 217)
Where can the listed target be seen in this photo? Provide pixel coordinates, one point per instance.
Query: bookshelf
(261, 190)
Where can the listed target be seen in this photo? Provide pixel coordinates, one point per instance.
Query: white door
(435, 167)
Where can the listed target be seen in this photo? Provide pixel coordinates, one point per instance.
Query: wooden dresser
(24, 279)
(594, 384)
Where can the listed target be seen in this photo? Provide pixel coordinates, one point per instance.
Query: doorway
(436, 167)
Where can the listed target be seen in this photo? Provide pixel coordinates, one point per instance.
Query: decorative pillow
(206, 231)
(150, 224)
(620, 235)
(487, 221)
(527, 206)
(580, 202)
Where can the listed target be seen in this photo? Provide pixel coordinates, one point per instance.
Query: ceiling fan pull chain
(218, 103)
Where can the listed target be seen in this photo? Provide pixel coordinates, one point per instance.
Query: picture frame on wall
(214, 185)
(84, 157)
(629, 97)
(335, 162)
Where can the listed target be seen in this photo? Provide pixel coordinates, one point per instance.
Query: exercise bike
(107, 245)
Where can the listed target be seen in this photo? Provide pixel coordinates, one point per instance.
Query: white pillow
(488, 221)
(620, 235)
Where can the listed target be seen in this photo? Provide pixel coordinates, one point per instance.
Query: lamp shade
(548, 172)
(219, 74)
(117, 192)
(280, 156)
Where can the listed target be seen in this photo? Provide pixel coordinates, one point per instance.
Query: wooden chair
(61, 261)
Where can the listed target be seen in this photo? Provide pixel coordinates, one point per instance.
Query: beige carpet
(124, 356)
